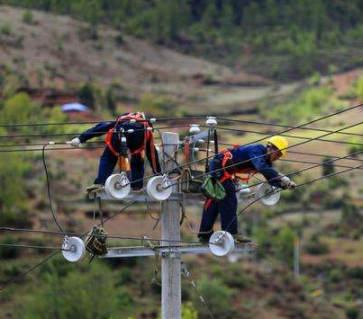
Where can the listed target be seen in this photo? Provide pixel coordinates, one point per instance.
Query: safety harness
(148, 137)
(232, 173)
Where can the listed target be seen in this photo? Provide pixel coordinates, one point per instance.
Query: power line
(166, 119)
(306, 183)
(31, 246)
(286, 126)
(44, 135)
(11, 281)
(48, 191)
(277, 133)
(290, 136)
(248, 160)
(309, 162)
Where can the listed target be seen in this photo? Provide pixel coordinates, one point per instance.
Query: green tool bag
(96, 241)
(213, 189)
(189, 183)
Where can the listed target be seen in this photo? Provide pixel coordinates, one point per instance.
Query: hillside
(43, 51)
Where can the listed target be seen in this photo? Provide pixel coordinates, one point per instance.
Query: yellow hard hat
(280, 143)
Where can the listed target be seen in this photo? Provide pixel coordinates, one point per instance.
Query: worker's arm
(272, 176)
(98, 130)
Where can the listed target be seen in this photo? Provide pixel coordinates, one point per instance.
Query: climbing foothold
(221, 243)
(118, 186)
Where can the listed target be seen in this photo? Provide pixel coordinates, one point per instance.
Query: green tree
(86, 95)
(285, 245)
(217, 296)
(189, 312)
(327, 167)
(19, 109)
(82, 294)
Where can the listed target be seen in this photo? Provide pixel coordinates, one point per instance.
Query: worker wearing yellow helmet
(256, 158)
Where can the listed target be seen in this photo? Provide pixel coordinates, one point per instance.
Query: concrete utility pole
(297, 258)
(171, 262)
(171, 248)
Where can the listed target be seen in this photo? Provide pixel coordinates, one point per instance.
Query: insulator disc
(117, 186)
(73, 249)
(272, 198)
(221, 243)
(155, 189)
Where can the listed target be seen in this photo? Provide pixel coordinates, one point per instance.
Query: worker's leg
(107, 164)
(137, 171)
(228, 208)
(210, 213)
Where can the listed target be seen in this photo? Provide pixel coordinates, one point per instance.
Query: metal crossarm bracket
(139, 251)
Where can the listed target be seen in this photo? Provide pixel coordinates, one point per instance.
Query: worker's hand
(75, 142)
(287, 183)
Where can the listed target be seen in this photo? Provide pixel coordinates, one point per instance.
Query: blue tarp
(74, 107)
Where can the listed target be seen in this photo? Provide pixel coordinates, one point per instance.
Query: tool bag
(96, 241)
(212, 188)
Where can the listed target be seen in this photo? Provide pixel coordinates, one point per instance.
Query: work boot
(94, 188)
(241, 239)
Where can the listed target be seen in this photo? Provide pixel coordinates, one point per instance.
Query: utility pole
(171, 248)
(297, 257)
(171, 261)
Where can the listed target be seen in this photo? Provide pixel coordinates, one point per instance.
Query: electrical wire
(286, 126)
(166, 119)
(277, 133)
(32, 246)
(44, 135)
(15, 279)
(305, 169)
(309, 162)
(48, 190)
(246, 161)
(290, 136)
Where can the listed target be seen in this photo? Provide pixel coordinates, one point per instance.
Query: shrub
(356, 273)
(359, 89)
(9, 252)
(285, 245)
(5, 29)
(75, 296)
(157, 105)
(316, 247)
(189, 312)
(28, 17)
(352, 313)
(217, 296)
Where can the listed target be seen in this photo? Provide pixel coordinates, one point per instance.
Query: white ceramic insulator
(194, 129)
(211, 121)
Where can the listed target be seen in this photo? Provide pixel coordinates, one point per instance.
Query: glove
(286, 183)
(75, 142)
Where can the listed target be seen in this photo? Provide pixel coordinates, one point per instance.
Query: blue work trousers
(227, 209)
(108, 162)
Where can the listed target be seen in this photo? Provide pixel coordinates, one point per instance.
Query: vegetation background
(276, 61)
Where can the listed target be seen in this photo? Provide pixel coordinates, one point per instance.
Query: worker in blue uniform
(241, 159)
(139, 139)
